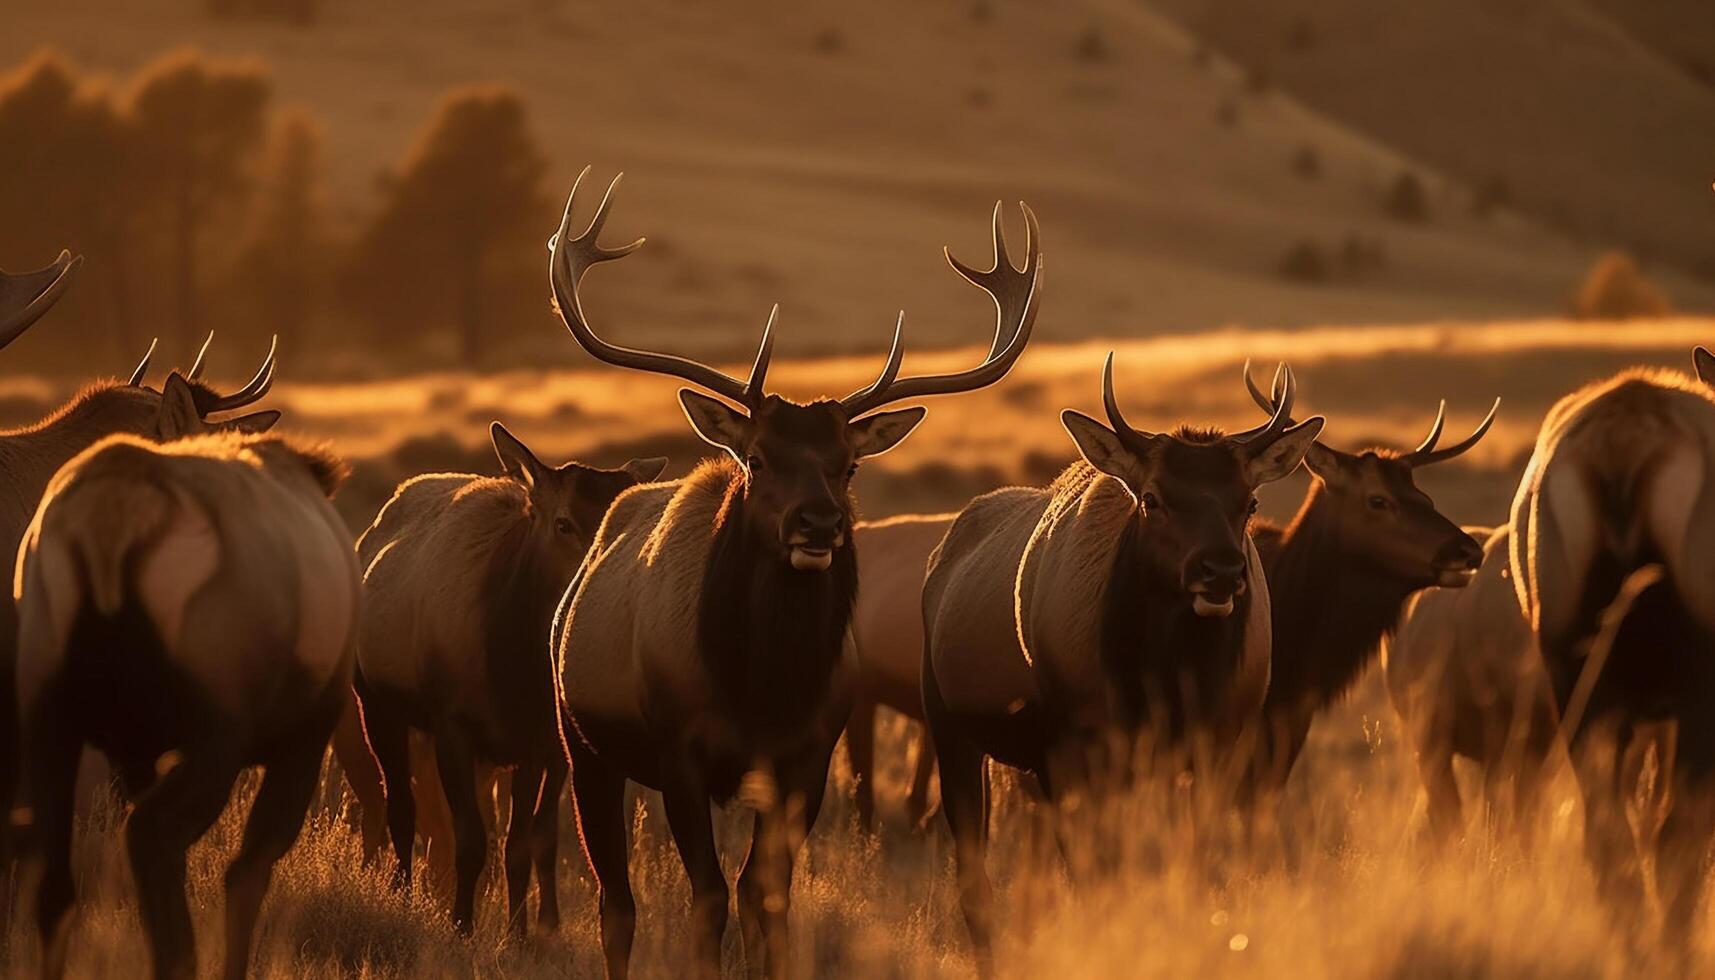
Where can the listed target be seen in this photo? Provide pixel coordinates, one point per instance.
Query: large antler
(1015, 293)
(1425, 453)
(569, 258)
(25, 296)
(259, 384)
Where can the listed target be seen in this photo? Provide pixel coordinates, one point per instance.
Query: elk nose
(1463, 552)
(820, 524)
(1222, 567)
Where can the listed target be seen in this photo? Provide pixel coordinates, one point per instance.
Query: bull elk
(1463, 674)
(1617, 509)
(1364, 539)
(701, 646)
(1124, 599)
(30, 456)
(461, 577)
(189, 609)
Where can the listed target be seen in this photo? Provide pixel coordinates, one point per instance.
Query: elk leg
(1608, 840)
(389, 737)
(363, 774)
(1446, 809)
(520, 845)
(688, 817)
(457, 765)
(434, 819)
(166, 821)
(964, 799)
(860, 751)
(275, 820)
(1683, 845)
(52, 759)
(923, 770)
(598, 800)
(765, 880)
(545, 845)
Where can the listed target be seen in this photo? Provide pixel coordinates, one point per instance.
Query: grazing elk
(1125, 599)
(30, 456)
(189, 609)
(701, 646)
(461, 577)
(887, 628)
(1618, 492)
(1463, 674)
(1364, 539)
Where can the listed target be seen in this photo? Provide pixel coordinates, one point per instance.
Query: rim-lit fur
(1616, 510)
(189, 609)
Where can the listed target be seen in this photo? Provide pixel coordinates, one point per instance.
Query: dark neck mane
(1330, 614)
(1156, 651)
(771, 635)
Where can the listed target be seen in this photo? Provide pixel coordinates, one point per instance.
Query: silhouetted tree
(460, 234)
(286, 260)
(198, 126)
(1616, 289)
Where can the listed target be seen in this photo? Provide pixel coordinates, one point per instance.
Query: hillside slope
(820, 154)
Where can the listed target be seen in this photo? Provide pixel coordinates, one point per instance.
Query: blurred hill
(820, 154)
(1594, 114)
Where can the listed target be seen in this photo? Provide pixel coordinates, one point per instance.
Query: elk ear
(1322, 461)
(1279, 458)
(715, 422)
(254, 424)
(645, 470)
(1705, 362)
(516, 459)
(178, 416)
(873, 435)
(1101, 447)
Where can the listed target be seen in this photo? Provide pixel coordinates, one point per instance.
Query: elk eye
(563, 525)
(1379, 502)
(1253, 506)
(851, 471)
(753, 463)
(1151, 501)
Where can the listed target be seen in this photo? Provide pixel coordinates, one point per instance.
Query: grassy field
(1362, 896)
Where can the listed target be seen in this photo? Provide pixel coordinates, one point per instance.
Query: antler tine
(1015, 293)
(890, 370)
(1116, 418)
(197, 365)
(26, 296)
(142, 369)
(259, 384)
(569, 258)
(1424, 458)
(764, 354)
(1284, 390)
(1435, 428)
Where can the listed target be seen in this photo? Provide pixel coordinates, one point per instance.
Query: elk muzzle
(1457, 563)
(1215, 578)
(811, 537)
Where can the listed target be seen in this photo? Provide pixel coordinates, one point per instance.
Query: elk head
(566, 503)
(1705, 363)
(25, 296)
(1194, 489)
(180, 417)
(1379, 513)
(797, 460)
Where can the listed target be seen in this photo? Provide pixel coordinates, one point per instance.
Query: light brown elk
(29, 457)
(1617, 509)
(1125, 599)
(189, 609)
(1463, 674)
(701, 647)
(1364, 539)
(461, 577)
(887, 629)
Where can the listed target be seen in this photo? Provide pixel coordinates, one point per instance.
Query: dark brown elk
(1124, 600)
(29, 457)
(189, 609)
(1463, 674)
(702, 647)
(461, 577)
(887, 630)
(1364, 540)
(1616, 509)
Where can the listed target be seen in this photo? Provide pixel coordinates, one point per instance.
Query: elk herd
(187, 603)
